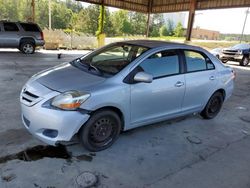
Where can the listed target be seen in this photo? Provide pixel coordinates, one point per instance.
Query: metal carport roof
(163, 6)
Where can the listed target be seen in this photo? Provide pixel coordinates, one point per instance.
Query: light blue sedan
(122, 86)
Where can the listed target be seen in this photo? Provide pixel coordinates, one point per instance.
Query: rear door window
(196, 61)
(30, 27)
(9, 26)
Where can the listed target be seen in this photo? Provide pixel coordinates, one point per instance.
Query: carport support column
(191, 19)
(33, 10)
(148, 20)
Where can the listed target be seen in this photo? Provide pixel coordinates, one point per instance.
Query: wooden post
(191, 19)
(150, 3)
(33, 10)
(49, 14)
(148, 22)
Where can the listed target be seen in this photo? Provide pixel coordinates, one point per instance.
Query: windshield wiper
(91, 66)
(88, 65)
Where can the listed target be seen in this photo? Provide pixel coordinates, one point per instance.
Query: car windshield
(113, 58)
(241, 46)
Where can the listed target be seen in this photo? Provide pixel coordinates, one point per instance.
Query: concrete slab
(166, 154)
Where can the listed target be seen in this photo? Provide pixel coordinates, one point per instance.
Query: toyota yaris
(122, 86)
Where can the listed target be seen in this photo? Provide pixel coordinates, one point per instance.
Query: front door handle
(212, 78)
(179, 84)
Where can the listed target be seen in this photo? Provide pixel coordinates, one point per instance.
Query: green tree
(170, 27)
(179, 30)
(91, 23)
(61, 16)
(163, 31)
(156, 23)
(42, 13)
(138, 23)
(109, 29)
(121, 22)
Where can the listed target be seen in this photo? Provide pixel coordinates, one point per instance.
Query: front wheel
(244, 61)
(213, 106)
(101, 130)
(224, 61)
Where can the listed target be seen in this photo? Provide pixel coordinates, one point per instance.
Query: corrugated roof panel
(161, 6)
(215, 4)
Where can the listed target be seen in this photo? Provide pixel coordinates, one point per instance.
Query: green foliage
(138, 23)
(179, 30)
(156, 23)
(170, 27)
(163, 31)
(121, 22)
(71, 16)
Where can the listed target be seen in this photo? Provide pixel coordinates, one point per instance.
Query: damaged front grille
(230, 52)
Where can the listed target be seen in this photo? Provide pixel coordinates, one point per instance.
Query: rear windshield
(30, 27)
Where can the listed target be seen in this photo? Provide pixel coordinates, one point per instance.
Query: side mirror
(143, 77)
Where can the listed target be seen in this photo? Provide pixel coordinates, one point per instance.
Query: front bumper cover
(39, 121)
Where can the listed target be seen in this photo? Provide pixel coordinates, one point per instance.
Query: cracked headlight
(70, 100)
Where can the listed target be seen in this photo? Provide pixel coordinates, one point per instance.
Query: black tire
(101, 130)
(27, 47)
(245, 61)
(213, 106)
(224, 61)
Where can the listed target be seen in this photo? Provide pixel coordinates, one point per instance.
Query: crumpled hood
(66, 77)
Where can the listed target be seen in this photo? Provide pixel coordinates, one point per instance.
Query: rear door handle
(212, 78)
(179, 84)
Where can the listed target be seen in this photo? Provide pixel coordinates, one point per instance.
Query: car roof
(153, 43)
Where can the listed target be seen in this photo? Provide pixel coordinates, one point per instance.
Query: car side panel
(226, 81)
(199, 88)
(110, 95)
(1, 34)
(156, 100)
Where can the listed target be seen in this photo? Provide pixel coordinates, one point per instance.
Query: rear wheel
(213, 106)
(224, 61)
(27, 47)
(101, 130)
(244, 61)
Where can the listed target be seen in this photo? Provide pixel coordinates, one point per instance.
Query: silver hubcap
(245, 61)
(28, 48)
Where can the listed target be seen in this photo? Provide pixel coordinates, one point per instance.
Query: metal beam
(191, 19)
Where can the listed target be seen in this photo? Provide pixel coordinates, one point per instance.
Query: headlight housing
(70, 100)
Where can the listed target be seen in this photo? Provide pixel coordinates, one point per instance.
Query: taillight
(42, 37)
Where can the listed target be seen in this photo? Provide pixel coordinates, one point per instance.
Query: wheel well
(28, 39)
(222, 91)
(114, 109)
